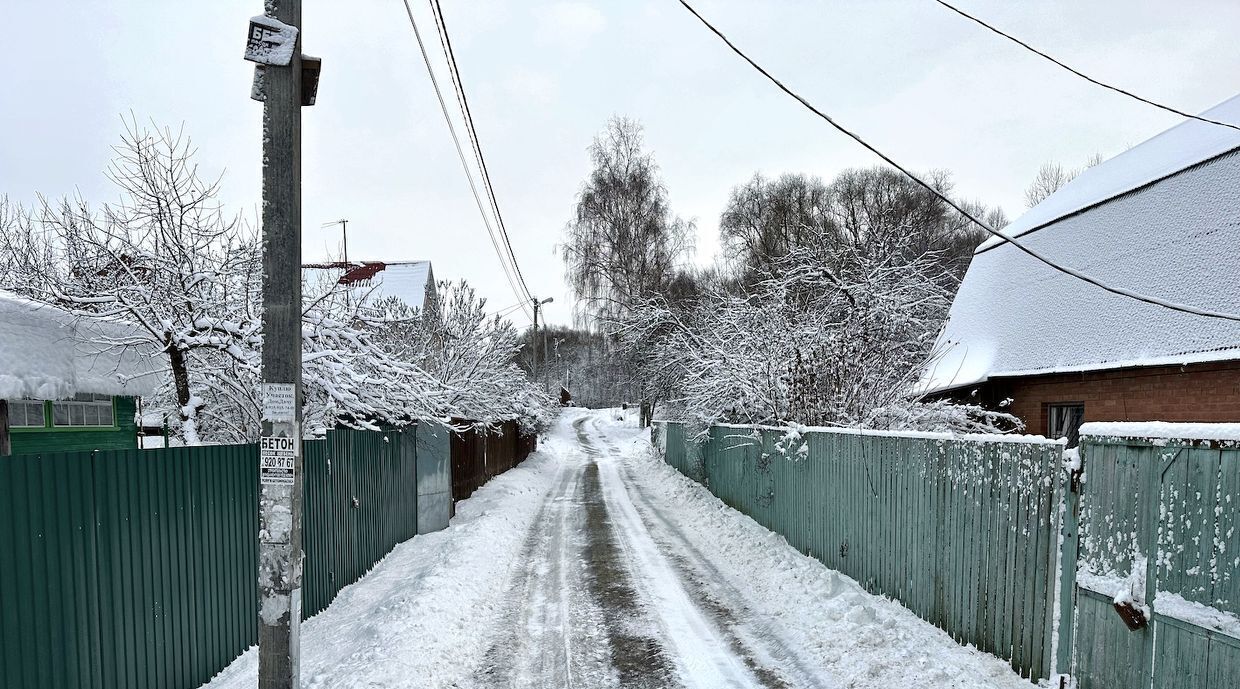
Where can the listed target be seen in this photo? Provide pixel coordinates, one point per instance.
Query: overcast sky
(544, 76)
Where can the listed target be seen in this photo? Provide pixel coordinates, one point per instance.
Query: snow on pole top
(270, 41)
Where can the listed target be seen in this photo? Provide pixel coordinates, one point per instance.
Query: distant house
(1161, 219)
(413, 282)
(61, 391)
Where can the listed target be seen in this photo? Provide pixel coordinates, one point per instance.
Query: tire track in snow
(758, 643)
(551, 633)
(703, 651)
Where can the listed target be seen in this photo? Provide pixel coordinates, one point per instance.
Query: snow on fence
(1157, 514)
(136, 569)
(962, 530)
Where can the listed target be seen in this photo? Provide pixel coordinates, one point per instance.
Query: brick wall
(1196, 392)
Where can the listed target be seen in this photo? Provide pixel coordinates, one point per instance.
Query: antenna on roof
(344, 231)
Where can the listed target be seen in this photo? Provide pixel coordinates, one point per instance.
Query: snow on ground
(413, 621)
(854, 638)
(594, 564)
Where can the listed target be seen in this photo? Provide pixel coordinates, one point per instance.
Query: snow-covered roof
(47, 353)
(1162, 219)
(409, 281)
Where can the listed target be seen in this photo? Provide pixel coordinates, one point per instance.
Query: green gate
(1159, 519)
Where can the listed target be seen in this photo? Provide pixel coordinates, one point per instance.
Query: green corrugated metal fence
(135, 569)
(1174, 505)
(961, 531)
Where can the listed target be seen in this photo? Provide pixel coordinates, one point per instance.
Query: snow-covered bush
(833, 334)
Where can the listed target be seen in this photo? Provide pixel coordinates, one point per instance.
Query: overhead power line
(1081, 74)
(1072, 272)
(443, 106)
(463, 101)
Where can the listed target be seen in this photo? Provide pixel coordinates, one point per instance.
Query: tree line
(823, 306)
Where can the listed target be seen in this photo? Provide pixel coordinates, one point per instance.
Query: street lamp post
(537, 306)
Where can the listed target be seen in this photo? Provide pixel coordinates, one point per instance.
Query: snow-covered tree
(168, 259)
(165, 257)
(833, 334)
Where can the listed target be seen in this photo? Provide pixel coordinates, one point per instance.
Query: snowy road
(596, 565)
(610, 594)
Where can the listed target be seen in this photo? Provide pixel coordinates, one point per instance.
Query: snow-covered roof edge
(1207, 357)
(48, 353)
(1187, 144)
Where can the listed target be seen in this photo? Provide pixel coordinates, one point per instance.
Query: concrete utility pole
(274, 43)
(537, 305)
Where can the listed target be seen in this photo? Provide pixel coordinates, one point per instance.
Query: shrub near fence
(960, 529)
(136, 569)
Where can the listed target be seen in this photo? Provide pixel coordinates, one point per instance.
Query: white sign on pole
(276, 460)
(270, 42)
(279, 402)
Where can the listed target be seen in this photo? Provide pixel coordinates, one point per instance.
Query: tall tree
(865, 209)
(765, 219)
(624, 243)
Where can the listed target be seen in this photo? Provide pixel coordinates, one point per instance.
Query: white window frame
(26, 405)
(85, 410)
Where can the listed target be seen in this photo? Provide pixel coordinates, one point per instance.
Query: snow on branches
(832, 334)
(169, 260)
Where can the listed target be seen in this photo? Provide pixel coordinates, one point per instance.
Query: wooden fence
(960, 529)
(1168, 508)
(477, 457)
(136, 569)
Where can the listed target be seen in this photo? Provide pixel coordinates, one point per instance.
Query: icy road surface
(595, 565)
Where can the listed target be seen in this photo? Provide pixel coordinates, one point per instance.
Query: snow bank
(47, 353)
(864, 641)
(424, 611)
(1163, 430)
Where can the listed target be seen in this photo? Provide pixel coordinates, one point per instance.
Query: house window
(26, 414)
(1064, 421)
(83, 410)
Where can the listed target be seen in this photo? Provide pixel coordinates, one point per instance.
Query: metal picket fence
(960, 529)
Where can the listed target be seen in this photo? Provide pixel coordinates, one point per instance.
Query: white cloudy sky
(544, 76)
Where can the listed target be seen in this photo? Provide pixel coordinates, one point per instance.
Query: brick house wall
(1193, 392)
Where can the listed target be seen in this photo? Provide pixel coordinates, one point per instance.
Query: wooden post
(280, 470)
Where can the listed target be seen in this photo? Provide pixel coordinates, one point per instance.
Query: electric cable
(508, 273)
(1072, 272)
(1081, 74)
